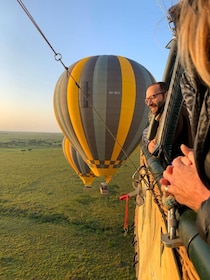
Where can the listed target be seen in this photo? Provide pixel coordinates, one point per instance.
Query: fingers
(151, 145)
(169, 169)
(172, 183)
(185, 150)
(164, 182)
(167, 173)
(179, 161)
(187, 159)
(166, 189)
(188, 152)
(165, 185)
(191, 157)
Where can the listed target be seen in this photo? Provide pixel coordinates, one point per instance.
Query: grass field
(50, 227)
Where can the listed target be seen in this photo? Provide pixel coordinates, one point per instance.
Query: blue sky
(137, 29)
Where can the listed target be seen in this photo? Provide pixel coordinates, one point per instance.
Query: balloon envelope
(77, 163)
(99, 105)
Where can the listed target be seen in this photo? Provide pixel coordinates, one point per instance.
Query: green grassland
(50, 227)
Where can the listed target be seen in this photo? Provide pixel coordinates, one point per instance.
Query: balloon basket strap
(126, 198)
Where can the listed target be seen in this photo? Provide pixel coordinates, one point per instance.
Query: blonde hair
(193, 33)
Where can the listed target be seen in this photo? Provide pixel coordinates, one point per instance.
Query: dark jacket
(182, 135)
(203, 220)
(197, 98)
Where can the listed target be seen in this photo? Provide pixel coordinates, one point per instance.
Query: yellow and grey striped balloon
(77, 163)
(99, 106)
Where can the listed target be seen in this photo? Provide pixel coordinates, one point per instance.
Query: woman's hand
(181, 180)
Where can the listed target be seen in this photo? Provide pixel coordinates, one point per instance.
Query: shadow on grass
(86, 224)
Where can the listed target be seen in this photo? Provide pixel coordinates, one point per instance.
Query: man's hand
(151, 146)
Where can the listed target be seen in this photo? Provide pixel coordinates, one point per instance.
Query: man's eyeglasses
(152, 97)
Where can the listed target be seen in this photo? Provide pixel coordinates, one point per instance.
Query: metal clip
(136, 182)
(170, 239)
(171, 243)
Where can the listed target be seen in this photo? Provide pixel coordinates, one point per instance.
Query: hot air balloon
(99, 105)
(77, 163)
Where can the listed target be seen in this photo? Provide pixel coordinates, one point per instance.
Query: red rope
(126, 198)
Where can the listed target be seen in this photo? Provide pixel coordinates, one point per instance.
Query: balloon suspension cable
(167, 15)
(58, 57)
(162, 6)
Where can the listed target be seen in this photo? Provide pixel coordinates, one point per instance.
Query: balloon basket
(104, 189)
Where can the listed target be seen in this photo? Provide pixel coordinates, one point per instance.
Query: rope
(58, 56)
(126, 198)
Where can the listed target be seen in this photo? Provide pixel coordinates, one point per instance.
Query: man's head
(156, 96)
